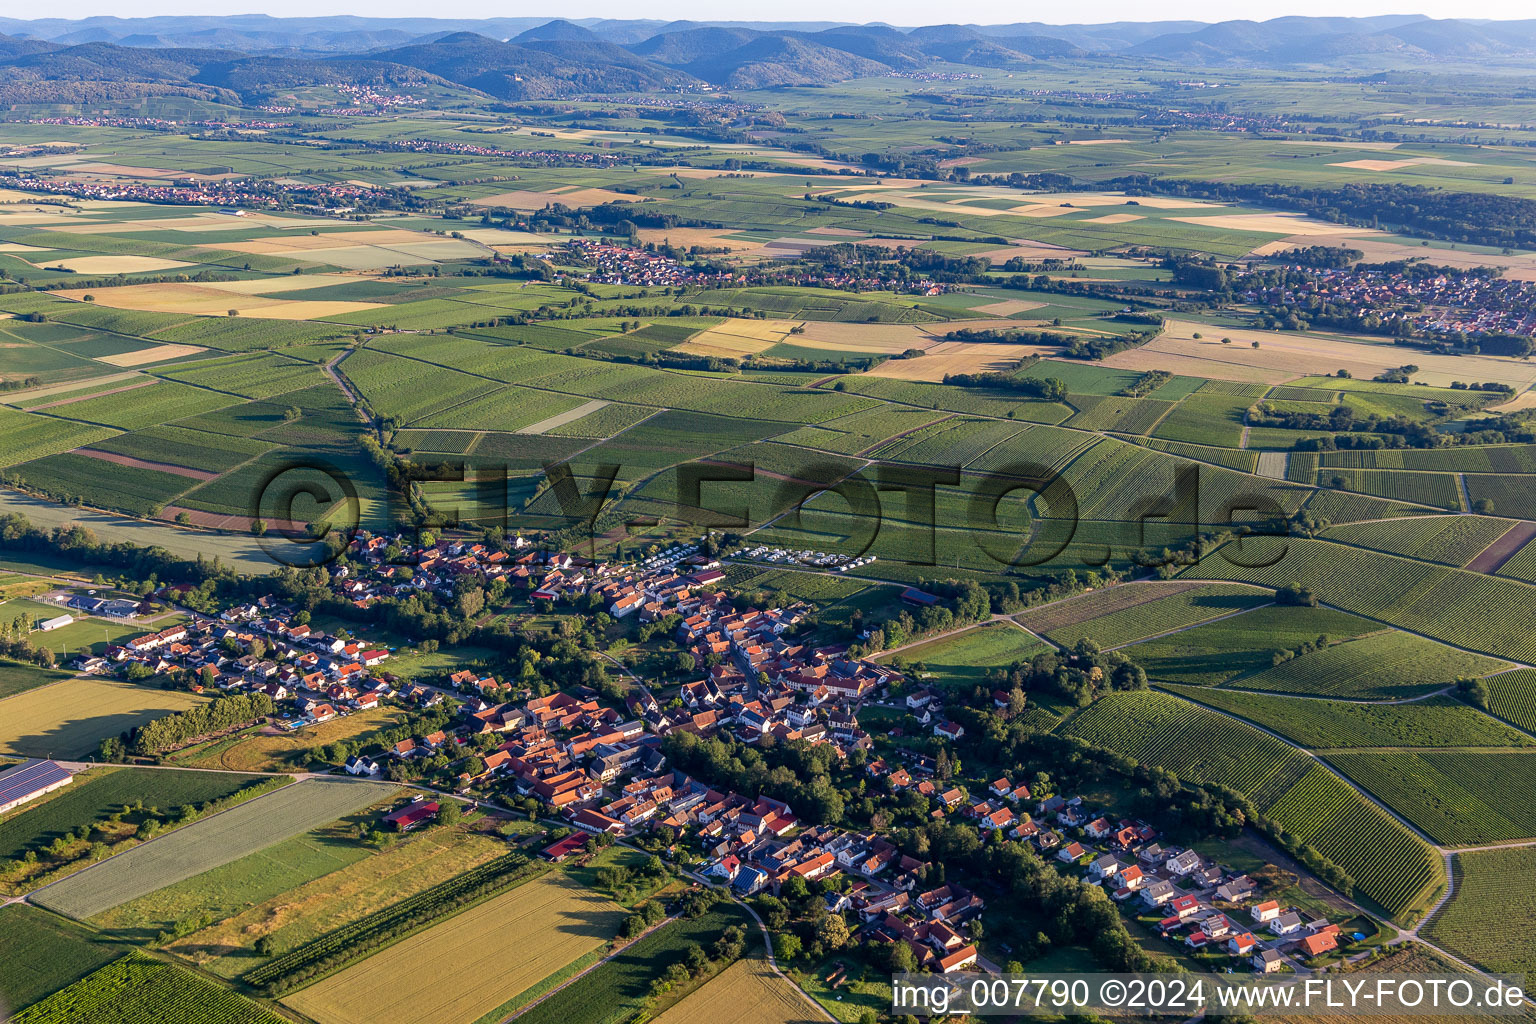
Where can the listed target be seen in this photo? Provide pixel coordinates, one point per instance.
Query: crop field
(139, 989)
(94, 794)
(206, 844)
(305, 912)
(1209, 419)
(1437, 489)
(1501, 459)
(617, 989)
(136, 490)
(1512, 696)
(1323, 724)
(1458, 798)
(492, 963)
(1230, 458)
(43, 953)
(1215, 652)
(1508, 495)
(16, 677)
(1388, 665)
(1155, 609)
(222, 892)
(1450, 540)
(1490, 886)
(1482, 613)
(963, 660)
(70, 718)
(1388, 863)
(747, 992)
(27, 436)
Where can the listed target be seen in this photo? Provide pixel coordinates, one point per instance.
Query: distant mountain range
(252, 56)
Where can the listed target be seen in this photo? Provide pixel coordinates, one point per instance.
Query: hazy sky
(895, 12)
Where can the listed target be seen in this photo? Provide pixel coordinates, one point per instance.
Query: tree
(832, 932)
(234, 312)
(183, 518)
(449, 812)
(258, 527)
(787, 946)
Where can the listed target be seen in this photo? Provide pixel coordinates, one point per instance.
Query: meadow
(205, 844)
(958, 662)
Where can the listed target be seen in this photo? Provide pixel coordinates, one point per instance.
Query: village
(602, 770)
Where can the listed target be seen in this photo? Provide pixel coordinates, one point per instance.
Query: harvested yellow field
(473, 962)
(1283, 356)
(1397, 165)
(747, 992)
(521, 199)
(292, 243)
(68, 719)
(1114, 218)
(48, 390)
(1007, 307)
(119, 264)
(544, 426)
(877, 339)
(1275, 223)
(285, 750)
(19, 247)
(1098, 142)
(738, 338)
(331, 901)
(1041, 210)
(288, 283)
(709, 238)
(153, 354)
(211, 300)
(958, 357)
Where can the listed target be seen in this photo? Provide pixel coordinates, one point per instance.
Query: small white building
(57, 622)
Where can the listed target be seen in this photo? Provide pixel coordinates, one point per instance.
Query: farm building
(557, 852)
(411, 815)
(29, 781)
(57, 622)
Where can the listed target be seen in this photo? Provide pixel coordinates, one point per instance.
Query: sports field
(491, 952)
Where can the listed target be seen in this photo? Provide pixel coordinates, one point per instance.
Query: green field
(1458, 798)
(1213, 653)
(1387, 862)
(141, 990)
(43, 953)
(958, 662)
(1321, 724)
(1490, 887)
(206, 844)
(1383, 666)
(617, 990)
(102, 791)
